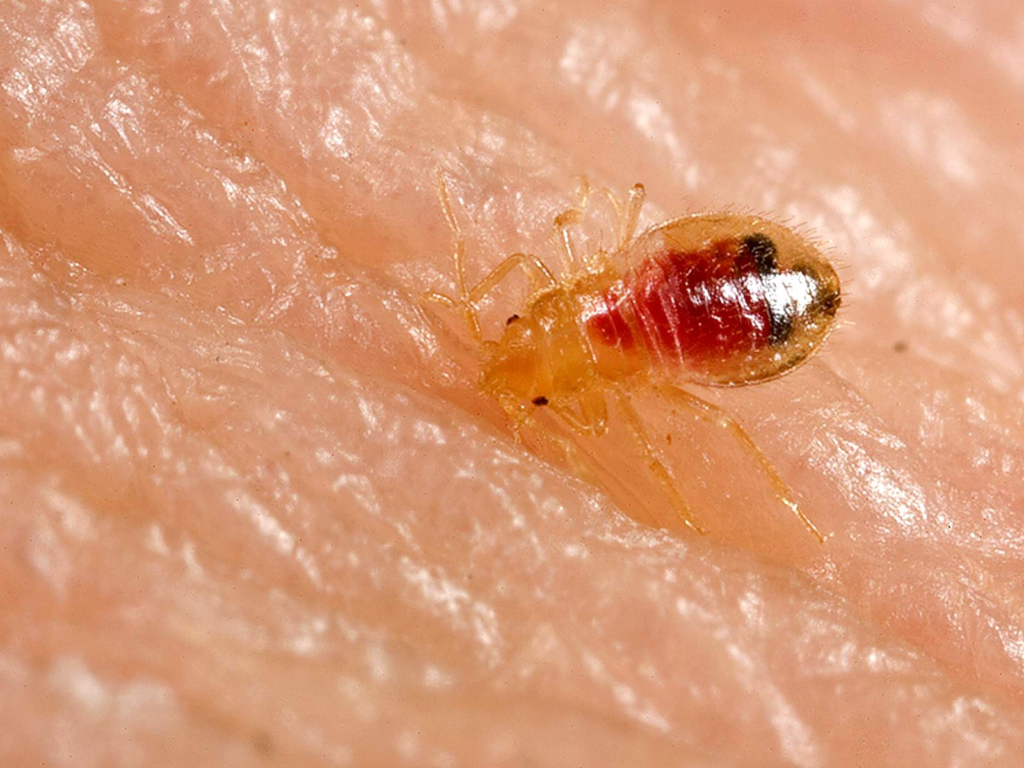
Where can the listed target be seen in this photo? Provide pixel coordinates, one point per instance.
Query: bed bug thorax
(708, 299)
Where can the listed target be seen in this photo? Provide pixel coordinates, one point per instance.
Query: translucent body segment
(690, 307)
(723, 300)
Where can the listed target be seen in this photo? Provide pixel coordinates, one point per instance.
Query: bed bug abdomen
(722, 300)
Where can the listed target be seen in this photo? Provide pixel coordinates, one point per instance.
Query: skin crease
(256, 510)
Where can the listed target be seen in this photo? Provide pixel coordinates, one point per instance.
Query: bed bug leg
(569, 218)
(462, 303)
(715, 415)
(468, 301)
(570, 452)
(441, 298)
(592, 418)
(516, 416)
(628, 213)
(635, 203)
(657, 467)
(540, 276)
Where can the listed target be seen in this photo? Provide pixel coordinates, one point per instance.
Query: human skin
(256, 510)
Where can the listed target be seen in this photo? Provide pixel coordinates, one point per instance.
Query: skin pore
(257, 510)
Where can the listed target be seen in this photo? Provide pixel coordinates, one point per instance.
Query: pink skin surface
(255, 510)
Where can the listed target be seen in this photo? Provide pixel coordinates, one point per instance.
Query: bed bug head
(541, 358)
(512, 368)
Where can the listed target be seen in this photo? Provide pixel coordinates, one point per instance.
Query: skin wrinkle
(265, 372)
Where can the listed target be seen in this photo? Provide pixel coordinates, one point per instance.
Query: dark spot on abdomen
(763, 251)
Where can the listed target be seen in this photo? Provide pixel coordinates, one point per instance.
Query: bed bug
(715, 300)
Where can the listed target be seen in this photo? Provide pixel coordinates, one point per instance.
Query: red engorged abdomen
(697, 308)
